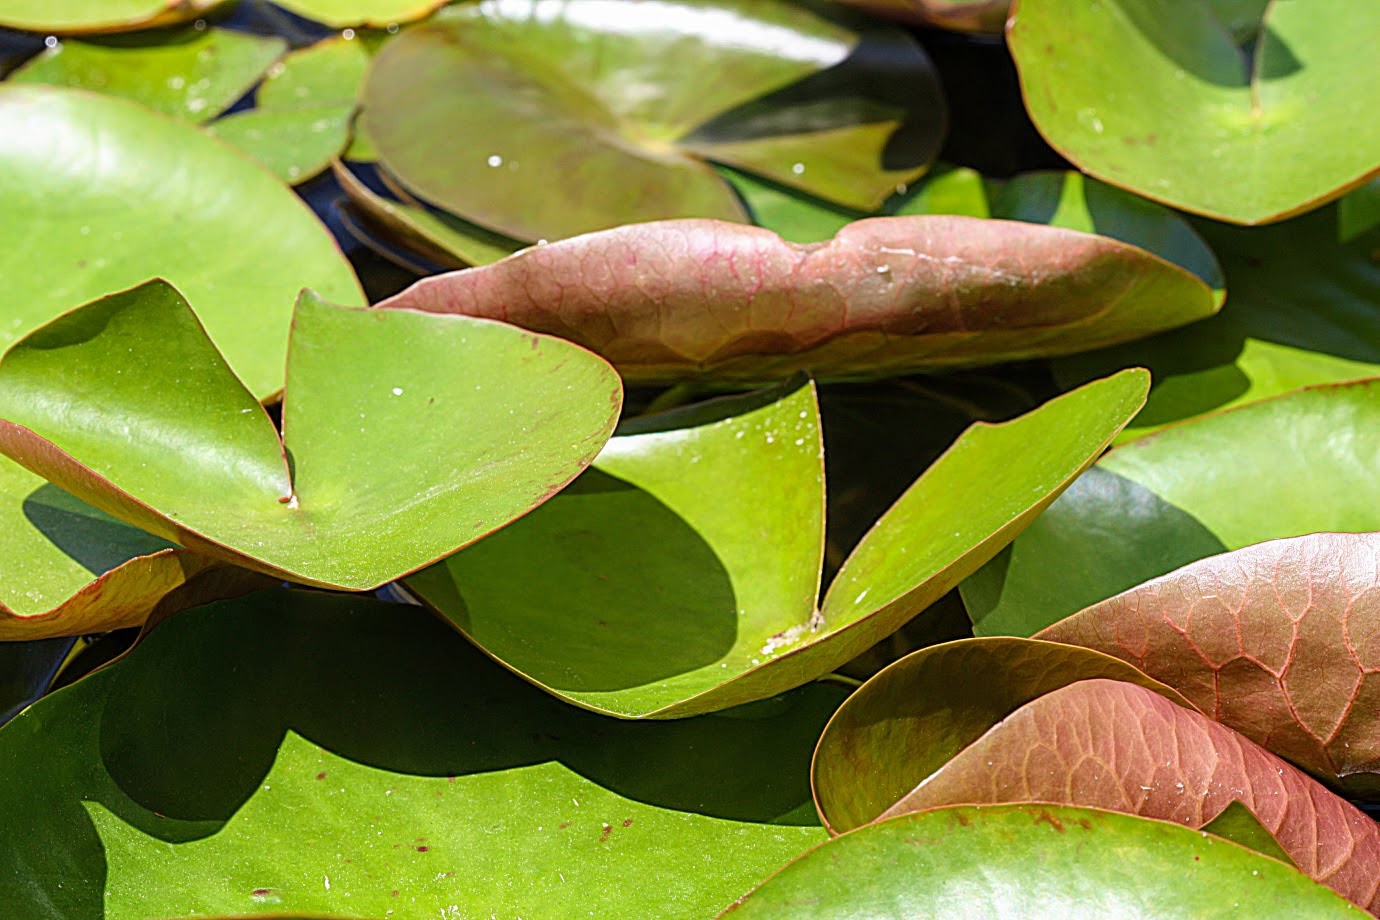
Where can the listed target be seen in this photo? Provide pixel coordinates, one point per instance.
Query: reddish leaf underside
(1280, 641)
(1113, 745)
(686, 299)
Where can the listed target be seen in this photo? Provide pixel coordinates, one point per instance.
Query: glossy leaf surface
(1296, 464)
(596, 94)
(680, 576)
(1276, 640)
(101, 194)
(375, 13)
(1304, 309)
(911, 718)
(301, 118)
(885, 296)
(1107, 744)
(146, 797)
(987, 16)
(193, 75)
(1249, 128)
(378, 473)
(86, 16)
(1046, 862)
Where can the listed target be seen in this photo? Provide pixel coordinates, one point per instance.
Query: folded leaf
(1108, 744)
(700, 299)
(680, 575)
(1035, 861)
(912, 717)
(126, 404)
(1276, 640)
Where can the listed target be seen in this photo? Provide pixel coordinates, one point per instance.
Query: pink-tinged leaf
(1280, 641)
(1113, 745)
(693, 299)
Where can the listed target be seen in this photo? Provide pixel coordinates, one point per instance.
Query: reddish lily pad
(681, 574)
(886, 296)
(833, 104)
(1113, 745)
(984, 16)
(1277, 640)
(912, 717)
(378, 473)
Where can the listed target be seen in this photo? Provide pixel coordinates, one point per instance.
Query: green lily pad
(80, 225)
(1044, 862)
(1239, 824)
(1358, 212)
(26, 670)
(1273, 640)
(1302, 311)
(914, 716)
(708, 300)
(1174, 497)
(76, 17)
(436, 235)
(375, 13)
(812, 98)
(378, 473)
(146, 797)
(190, 74)
(681, 575)
(1249, 128)
(1108, 744)
(301, 118)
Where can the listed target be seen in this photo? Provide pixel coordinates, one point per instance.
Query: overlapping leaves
(126, 404)
(680, 575)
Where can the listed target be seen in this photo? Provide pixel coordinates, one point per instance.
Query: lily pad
(375, 13)
(1113, 745)
(1248, 128)
(813, 98)
(680, 576)
(378, 473)
(912, 717)
(1275, 640)
(82, 225)
(190, 74)
(1169, 499)
(888, 295)
(145, 798)
(26, 670)
(1044, 862)
(77, 17)
(301, 118)
(1304, 309)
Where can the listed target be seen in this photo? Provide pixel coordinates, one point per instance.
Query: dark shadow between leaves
(602, 588)
(91, 538)
(392, 687)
